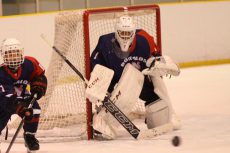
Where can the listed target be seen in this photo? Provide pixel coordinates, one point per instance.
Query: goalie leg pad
(101, 125)
(176, 122)
(161, 90)
(125, 96)
(157, 114)
(128, 89)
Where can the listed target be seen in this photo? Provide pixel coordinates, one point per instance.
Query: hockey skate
(31, 143)
(99, 136)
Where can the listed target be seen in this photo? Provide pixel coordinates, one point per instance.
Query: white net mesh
(64, 106)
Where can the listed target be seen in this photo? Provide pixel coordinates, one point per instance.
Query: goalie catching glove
(38, 85)
(161, 66)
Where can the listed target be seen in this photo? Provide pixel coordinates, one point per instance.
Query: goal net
(65, 112)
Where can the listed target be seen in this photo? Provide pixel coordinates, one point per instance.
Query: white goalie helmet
(124, 32)
(12, 52)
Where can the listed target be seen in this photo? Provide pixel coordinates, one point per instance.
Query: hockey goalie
(126, 69)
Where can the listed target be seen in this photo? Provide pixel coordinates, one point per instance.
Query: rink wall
(192, 33)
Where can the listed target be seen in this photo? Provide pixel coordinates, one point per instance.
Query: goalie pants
(30, 126)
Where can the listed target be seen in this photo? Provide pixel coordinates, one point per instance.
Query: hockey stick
(109, 105)
(20, 125)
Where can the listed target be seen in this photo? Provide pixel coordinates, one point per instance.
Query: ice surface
(200, 96)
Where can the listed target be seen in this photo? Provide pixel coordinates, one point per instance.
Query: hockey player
(16, 74)
(138, 70)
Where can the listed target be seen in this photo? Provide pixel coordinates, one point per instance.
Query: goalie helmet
(125, 32)
(12, 53)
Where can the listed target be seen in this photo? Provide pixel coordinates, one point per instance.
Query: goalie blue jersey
(108, 53)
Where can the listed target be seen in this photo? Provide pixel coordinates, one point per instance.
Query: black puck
(176, 141)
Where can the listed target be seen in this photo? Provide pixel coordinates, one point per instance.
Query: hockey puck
(176, 141)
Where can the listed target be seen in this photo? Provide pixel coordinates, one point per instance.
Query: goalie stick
(109, 105)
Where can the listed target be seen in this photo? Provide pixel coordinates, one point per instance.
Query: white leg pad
(128, 89)
(100, 124)
(157, 114)
(125, 96)
(176, 122)
(161, 90)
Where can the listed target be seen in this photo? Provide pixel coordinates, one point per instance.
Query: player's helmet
(12, 53)
(124, 32)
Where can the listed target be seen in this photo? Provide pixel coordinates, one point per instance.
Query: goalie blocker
(158, 114)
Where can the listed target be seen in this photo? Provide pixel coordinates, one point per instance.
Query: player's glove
(22, 107)
(9, 103)
(25, 101)
(14, 104)
(38, 86)
(25, 112)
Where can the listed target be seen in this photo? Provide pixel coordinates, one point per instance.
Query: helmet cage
(13, 58)
(12, 53)
(125, 32)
